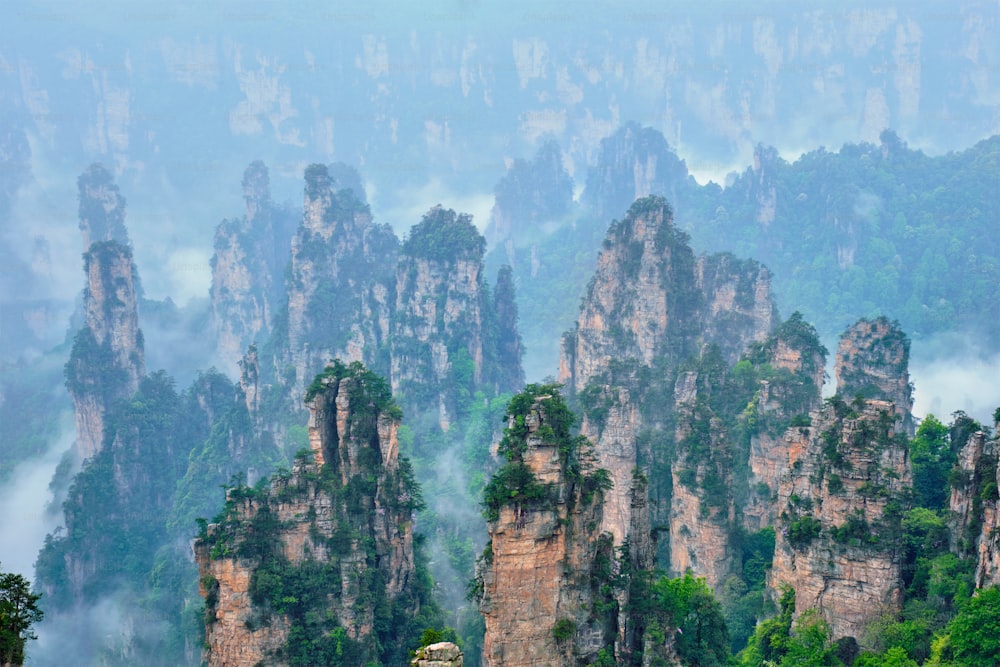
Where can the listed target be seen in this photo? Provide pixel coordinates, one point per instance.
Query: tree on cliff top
(18, 612)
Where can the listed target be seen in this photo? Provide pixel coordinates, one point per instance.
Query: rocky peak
(531, 193)
(101, 207)
(107, 360)
(838, 538)
(251, 252)
(539, 579)
(341, 280)
(510, 374)
(873, 361)
(256, 189)
(339, 522)
(974, 504)
(650, 307)
(635, 162)
(442, 310)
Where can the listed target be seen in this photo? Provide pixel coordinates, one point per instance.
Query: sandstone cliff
(843, 487)
(316, 564)
(449, 337)
(341, 280)
(975, 508)
(873, 360)
(540, 578)
(101, 207)
(250, 255)
(651, 306)
(838, 543)
(635, 162)
(107, 360)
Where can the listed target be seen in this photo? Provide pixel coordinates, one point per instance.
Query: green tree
(18, 612)
(932, 458)
(810, 645)
(975, 632)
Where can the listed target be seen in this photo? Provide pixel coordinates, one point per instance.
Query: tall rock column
(244, 268)
(651, 306)
(439, 344)
(873, 360)
(307, 568)
(838, 543)
(107, 360)
(540, 578)
(340, 285)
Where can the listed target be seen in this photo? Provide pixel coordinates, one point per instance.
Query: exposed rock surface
(872, 360)
(635, 162)
(838, 543)
(538, 574)
(250, 255)
(652, 305)
(441, 654)
(344, 512)
(838, 491)
(102, 207)
(107, 360)
(975, 509)
(448, 335)
(342, 274)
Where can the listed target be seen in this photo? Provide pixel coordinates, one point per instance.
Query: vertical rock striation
(651, 306)
(312, 566)
(107, 360)
(250, 255)
(539, 580)
(340, 284)
(873, 360)
(841, 495)
(450, 336)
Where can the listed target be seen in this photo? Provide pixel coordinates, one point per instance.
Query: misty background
(432, 104)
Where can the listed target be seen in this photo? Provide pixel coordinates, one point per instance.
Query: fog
(26, 505)
(431, 104)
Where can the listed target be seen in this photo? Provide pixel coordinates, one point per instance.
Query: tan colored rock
(853, 579)
(441, 654)
(350, 442)
(873, 358)
(112, 334)
(536, 578)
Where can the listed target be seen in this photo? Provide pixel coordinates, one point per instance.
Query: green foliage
(19, 610)
(445, 236)
(809, 644)
(685, 608)
(513, 484)
(975, 632)
(769, 643)
(801, 530)
(563, 630)
(932, 458)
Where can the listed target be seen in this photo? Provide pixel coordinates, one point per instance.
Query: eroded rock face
(652, 305)
(538, 574)
(975, 510)
(441, 654)
(102, 207)
(107, 361)
(342, 274)
(448, 333)
(250, 255)
(873, 360)
(343, 514)
(837, 541)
